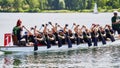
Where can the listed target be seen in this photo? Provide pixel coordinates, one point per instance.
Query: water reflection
(7, 62)
(103, 57)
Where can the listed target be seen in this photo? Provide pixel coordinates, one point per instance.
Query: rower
(41, 39)
(80, 36)
(31, 38)
(51, 38)
(94, 34)
(55, 33)
(71, 36)
(112, 33)
(61, 36)
(87, 36)
(102, 35)
(109, 33)
(67, 36)
(76, 34)
(46, 36)
(17, 33)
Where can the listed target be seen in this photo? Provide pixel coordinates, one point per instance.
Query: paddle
(73, 25)
(67, 37)
(77, 33)
(34, 41)
(35, 44)
(41, 27)
(59, 42)
(55, 33)
(68, 41)
(47, 40)
(27, 30)
(78, 40)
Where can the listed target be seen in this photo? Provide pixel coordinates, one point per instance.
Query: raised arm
(76, 28)
(27, 30)
(54, 28)
(65, 27)
(60, 27)
(51, 24)
(36, 31)
(45, 29)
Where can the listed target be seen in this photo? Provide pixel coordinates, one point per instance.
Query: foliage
(72, 5)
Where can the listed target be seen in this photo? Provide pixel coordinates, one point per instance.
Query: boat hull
(1, 53)
(56, 48)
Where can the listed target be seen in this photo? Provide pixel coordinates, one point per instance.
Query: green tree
(56, 5)
(18, 5)
(37, 5)
(43, 4)
(72, 4)
(34, 5)
(89, 4)
(62, 5)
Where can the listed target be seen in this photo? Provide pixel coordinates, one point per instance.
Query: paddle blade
(59, 42)
(48, 43)
(69, 43)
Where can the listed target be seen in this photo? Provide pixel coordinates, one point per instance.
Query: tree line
(40, 5)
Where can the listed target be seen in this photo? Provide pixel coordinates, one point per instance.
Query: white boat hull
(56, 48)
(1, 53)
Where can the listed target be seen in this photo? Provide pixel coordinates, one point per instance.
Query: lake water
(108, 57)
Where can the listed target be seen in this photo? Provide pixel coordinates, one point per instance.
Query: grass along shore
(61, 11)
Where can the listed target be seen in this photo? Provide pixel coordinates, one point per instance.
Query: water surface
(107, 57)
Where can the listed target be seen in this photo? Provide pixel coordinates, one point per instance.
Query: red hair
(19, 22)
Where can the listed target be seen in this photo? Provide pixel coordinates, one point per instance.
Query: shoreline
(62, 11)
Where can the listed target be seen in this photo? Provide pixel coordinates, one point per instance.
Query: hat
(115, 12)
(19, 22)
